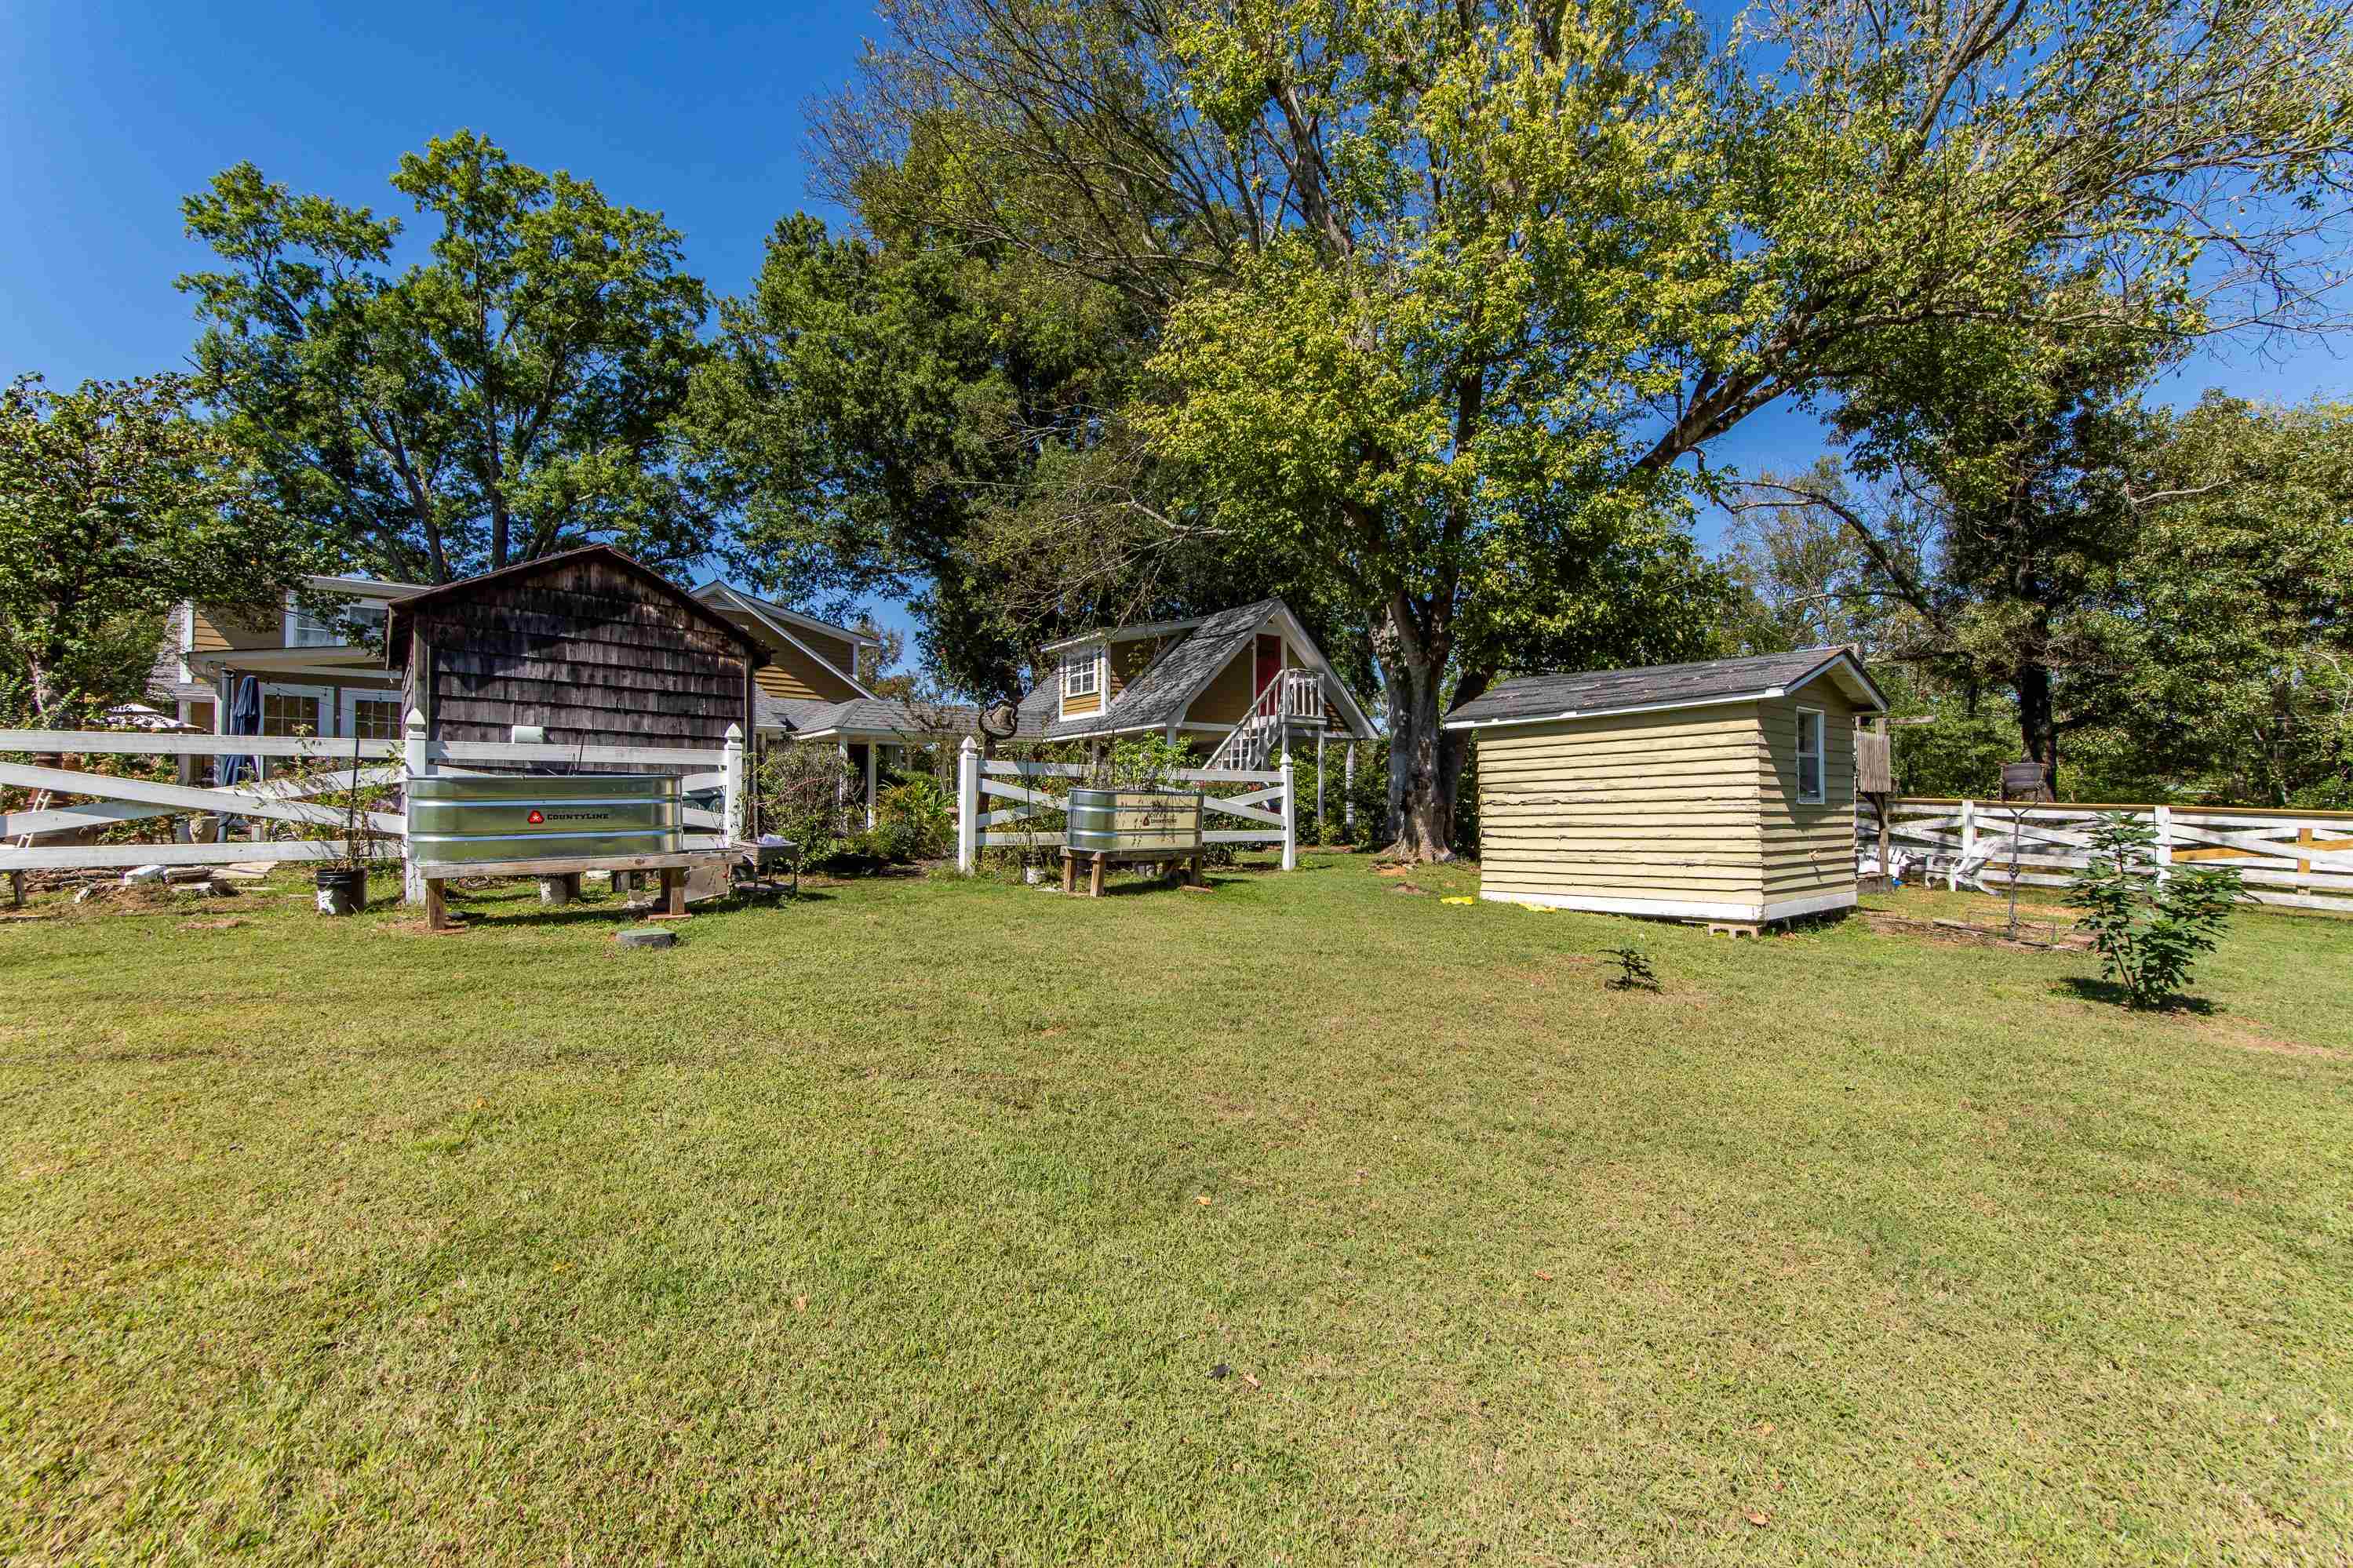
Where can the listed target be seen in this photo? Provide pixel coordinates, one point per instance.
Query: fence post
(1969, 828)
(414, 765)
(2164, 815)
(731, 788)
(1289, 816)
(968, 804)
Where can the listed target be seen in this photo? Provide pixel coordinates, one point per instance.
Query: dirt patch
(1407, 887)
(2032, 936)
(2244, 1037)
(230, 923)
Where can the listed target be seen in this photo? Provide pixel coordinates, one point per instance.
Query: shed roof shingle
(1653, 686)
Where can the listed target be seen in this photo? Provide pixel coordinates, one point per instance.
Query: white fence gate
(2292, 859)
(118, 800)
(1272, 808)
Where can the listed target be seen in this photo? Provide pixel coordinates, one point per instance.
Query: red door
(1270, 665)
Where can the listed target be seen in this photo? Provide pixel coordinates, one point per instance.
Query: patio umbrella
(244, 718)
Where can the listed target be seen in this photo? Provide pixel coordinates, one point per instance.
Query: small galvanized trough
(550, 826)
(1109, 827)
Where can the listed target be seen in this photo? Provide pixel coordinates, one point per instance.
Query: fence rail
(102, 800)
(2288, 859)
(1272, 807)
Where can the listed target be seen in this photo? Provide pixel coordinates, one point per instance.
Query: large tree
(510, 394)
(2240, 593)
(116, 503)
(1451, 291)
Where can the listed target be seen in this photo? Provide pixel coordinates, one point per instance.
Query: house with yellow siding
(1719, 790)
(1238, 687)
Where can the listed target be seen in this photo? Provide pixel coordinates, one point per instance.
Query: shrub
(2147, 928)
(915, 821)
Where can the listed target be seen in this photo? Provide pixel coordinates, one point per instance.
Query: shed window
(1811, 790)
(1080, 677)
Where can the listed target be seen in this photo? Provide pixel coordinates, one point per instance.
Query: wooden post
(732, 828)
(1289, 816)
(2304, 866)
(871, 749)
(2164, 815)
(967, 803)
(1095, 877)
(415, 763)
(1070, 870)
(1349, 788)
(436, 911)
(1321, 836)
(1969, 828)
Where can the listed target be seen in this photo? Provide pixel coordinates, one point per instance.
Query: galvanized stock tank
(1135, 820)
(529, 816)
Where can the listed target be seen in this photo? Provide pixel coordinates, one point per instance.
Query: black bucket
(341, 892)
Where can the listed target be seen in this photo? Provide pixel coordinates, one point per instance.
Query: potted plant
(338, 819)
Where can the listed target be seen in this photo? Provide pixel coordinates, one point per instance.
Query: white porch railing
(2289, 860)
(1289, 696)
(1272, 808)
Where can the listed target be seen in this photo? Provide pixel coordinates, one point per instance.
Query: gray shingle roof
(1161, 694)
(805, 716)
(1653, 686)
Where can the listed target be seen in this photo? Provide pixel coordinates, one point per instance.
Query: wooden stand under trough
(1185, 868)
(671, 867)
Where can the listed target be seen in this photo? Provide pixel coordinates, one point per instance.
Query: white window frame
(325, 694)
(1088, 663)
(1822, 790)
(331, 628)
(347, 705)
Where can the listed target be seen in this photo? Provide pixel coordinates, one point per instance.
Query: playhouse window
(1080, 674)
(1811, 790)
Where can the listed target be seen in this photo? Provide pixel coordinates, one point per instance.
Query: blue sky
(110, 113)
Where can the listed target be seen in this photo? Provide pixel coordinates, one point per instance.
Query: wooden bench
(1184, 864)
(671, 867)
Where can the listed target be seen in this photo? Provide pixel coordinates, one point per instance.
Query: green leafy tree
(117, 502)
(1451, 291)
(940, 423)
(510, 395)
(2148, 925)
(2241, 582)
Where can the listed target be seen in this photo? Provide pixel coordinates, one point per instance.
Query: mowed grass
(914, 1221)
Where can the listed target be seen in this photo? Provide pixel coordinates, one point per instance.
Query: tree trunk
(2038, 726)
(1421, 797)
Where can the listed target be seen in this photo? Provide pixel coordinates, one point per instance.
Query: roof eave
(1503, 720)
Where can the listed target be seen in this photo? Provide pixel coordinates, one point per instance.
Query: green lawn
(909, 1222)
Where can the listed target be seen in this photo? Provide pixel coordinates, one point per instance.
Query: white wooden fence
(104, 801)
(1272, 808)
(2292, 859)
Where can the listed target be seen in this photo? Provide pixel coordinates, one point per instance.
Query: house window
(341, 628)
(372, 716)
(290, 713)
(1811, 790)
(1081, 674)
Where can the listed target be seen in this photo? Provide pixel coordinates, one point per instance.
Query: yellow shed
(1722, 791)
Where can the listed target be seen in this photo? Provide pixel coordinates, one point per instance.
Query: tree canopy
(510, 394)
(1441, 296)
(116, 503)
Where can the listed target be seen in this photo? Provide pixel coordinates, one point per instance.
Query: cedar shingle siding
(588, 645)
